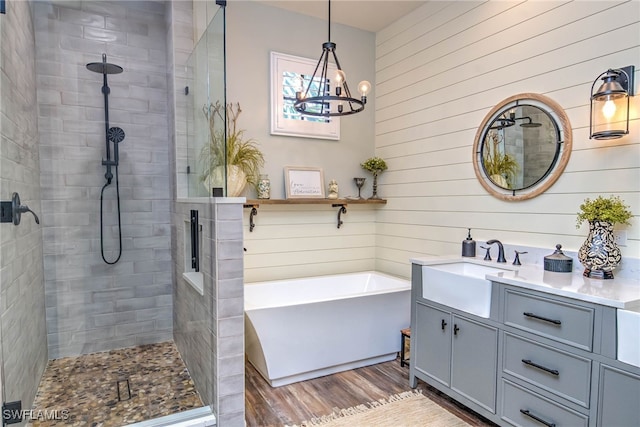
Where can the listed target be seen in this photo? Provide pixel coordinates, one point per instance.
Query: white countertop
(623, 293)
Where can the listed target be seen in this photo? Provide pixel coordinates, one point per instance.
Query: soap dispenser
(469, 246)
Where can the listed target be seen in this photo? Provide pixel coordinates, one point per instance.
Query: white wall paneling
(436, 82)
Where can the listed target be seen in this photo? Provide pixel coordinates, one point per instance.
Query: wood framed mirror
(522, 146)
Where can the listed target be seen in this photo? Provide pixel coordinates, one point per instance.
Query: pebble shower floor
(83, 390)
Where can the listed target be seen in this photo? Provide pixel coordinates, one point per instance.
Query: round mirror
(522, 146)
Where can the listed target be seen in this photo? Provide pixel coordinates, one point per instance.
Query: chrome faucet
(501, 257)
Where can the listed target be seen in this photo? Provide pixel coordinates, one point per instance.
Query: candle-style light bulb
(609, 109)
(340, 78)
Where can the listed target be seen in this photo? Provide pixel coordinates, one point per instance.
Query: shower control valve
(11, 211)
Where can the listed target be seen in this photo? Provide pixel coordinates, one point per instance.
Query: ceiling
(368, 15)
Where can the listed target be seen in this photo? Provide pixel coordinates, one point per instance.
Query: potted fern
(500, 167)
(600, 254)
(241, 157)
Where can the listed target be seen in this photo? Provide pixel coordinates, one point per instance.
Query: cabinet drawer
(562, 373)
(565, 322)
(522, 407)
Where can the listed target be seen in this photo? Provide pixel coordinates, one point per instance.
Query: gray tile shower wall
(209, 328)
(227, 243)
(193, 313)
(23, 349)
(90, 305)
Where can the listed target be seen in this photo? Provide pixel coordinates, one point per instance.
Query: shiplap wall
(304, 240)
(439, 71)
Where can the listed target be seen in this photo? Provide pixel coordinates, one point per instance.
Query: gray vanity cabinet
(433, 350)
(539, 359)
(474, 351)
(457, 352)
(619, 397)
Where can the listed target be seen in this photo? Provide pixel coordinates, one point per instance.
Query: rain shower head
(530, 123)
(104, 67)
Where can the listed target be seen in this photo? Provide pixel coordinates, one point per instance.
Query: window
(291, 74)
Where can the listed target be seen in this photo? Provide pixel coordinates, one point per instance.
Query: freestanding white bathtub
(306, 328)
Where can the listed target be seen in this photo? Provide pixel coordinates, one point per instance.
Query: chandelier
(317, 100)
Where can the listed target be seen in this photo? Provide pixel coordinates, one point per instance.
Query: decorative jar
(264, 187)
(599, 254)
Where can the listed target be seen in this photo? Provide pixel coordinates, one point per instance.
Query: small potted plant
(599, 254)
(242, 157)
(376, 166)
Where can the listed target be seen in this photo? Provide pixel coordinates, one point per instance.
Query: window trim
(281, 62)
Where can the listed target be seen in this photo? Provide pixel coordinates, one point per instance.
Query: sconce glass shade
(610, 104)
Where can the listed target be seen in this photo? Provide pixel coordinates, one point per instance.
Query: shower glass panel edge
(206, 88)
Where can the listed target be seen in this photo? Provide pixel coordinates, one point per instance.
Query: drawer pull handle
(538, 419)
(535, 365)
(544, 319)
(443, 324)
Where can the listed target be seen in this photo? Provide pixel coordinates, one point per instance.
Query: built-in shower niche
(192, 250)
(204, 89)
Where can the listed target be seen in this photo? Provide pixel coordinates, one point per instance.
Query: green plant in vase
(376, 166)
(599, 254)
(242, 157)
(500, 167)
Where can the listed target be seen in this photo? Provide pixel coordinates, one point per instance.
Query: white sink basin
(461, 285)
(628, 333)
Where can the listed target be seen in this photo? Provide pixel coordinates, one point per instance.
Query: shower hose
(119, 220)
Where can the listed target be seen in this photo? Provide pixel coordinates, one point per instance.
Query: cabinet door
(619, 398)
(433, 342)
(474, 357)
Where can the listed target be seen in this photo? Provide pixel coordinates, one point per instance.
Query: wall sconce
(610, 104)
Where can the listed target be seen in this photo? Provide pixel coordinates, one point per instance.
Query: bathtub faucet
(501, 257)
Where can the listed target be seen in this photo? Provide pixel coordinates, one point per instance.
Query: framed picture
(291, 74)
(303, 182)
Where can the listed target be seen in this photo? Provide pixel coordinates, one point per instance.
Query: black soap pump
(469, 246)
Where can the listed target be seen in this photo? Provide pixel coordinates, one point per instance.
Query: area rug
(406, 409)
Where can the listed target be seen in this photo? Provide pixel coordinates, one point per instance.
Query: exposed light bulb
(364, 87)
(340, 77)
(609, 109)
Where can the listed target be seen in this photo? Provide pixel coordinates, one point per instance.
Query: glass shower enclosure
(68, 319)
(204, 166)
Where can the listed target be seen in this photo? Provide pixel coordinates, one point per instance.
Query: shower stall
(94, 294)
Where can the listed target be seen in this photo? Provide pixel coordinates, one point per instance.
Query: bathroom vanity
(526, 347)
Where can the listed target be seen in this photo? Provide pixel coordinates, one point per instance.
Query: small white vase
(236, 180)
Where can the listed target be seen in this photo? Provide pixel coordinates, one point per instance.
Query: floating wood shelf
(254, 202)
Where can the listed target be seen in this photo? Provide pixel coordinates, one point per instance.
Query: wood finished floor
(294, 403)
